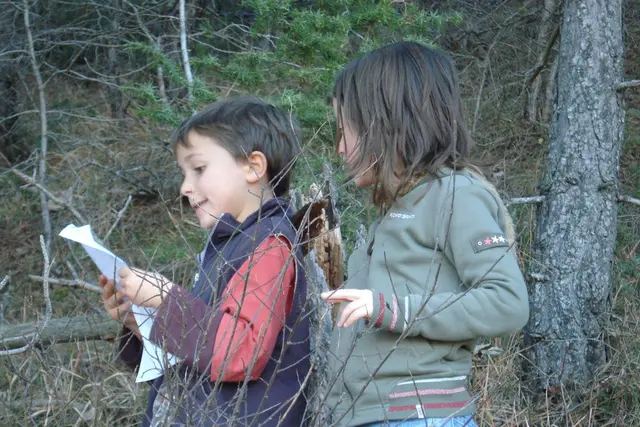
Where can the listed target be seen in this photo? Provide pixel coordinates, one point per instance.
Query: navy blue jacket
(185, 395)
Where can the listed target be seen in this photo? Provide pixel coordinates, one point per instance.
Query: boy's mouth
(196, 205)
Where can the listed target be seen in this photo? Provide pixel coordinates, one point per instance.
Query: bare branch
(49, 194)
(185, 50)
(544, 58)
(66, 282)
(42, 170)
(60, 330)
(160, 76)
(540, 199)
(4, 282)
(628, 84)
(629, 199)
(120, 214)
(485, 66)
(45, 284)
(525, 200)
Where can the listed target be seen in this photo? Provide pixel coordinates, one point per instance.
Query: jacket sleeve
(493, 297)
(129, 348)
(235, 341)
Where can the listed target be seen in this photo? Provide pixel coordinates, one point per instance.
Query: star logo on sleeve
(488, 241)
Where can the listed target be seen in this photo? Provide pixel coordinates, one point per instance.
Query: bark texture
(60, 330)
(570, 275)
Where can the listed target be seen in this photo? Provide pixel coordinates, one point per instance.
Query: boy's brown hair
(404, 103)
(245, 124)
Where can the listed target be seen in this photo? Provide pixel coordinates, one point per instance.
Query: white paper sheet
(153, 357)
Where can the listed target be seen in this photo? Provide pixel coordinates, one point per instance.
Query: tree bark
(570, 276)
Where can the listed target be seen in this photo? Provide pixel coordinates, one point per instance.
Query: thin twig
(545, 56)
(628, 84)
(540, 199)
(42, 169)
(72, 269)
(115, 224)
(4, 282)
(629, 199)
(50, 195)
(68, 282)
(485, 67)
(45, 285)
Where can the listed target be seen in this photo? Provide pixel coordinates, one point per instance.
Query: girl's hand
(143, 288)
(115, 305)
(360, 304)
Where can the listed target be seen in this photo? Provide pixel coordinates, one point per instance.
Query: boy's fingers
(124, 272)
(108, 287)
(125, 306)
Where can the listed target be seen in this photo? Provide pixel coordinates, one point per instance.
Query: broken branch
(525, 200)
(48, 193)
(119, 216)
(60, 330)
(628, 84)
(629, 199)
(67, 282)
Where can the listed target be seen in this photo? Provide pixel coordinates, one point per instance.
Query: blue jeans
(465, 421)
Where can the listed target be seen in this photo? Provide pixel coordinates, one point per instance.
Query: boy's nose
(185, 188)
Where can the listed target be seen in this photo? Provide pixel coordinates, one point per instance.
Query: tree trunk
(60, 330)
(570, 276)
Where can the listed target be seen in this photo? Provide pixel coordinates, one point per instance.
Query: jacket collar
(227, 225)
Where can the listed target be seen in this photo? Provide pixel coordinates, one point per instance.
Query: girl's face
(347, 142)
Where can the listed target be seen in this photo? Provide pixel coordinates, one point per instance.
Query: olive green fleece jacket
(443, 273)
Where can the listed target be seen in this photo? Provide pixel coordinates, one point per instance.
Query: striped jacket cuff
(390, 313)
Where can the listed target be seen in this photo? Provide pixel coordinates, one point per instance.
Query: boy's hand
(115, 305)
(144, 288)
(360, 304)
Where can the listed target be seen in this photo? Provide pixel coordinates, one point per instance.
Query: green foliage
(287, 52)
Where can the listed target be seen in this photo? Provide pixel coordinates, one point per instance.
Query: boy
(242, 333)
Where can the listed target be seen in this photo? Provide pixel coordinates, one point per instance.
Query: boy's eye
(199, 169)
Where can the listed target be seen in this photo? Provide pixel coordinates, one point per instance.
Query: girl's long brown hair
(404, 103)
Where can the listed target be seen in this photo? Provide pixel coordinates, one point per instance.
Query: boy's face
(214, 181)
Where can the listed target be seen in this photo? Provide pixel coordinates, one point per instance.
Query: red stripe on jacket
(255, 304)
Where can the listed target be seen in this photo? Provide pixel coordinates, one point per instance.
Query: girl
(439, 269)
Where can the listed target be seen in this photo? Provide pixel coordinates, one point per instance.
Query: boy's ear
(255, 167)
